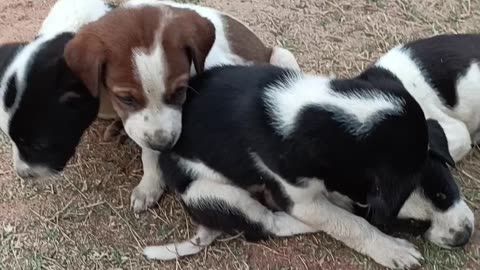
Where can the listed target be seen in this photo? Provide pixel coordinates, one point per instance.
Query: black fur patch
(45, 129)
(7, 55)
(10, 93)
(224, 217)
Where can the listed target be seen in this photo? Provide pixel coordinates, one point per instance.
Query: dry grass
(82, 221)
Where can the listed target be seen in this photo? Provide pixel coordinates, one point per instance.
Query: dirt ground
(82, 220)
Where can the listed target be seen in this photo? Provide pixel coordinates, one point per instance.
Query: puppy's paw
(395, 253)
(145, 195)
(163, 253)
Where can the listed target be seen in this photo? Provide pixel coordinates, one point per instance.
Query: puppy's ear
(438, 143)
(199, 38)
(85, 54)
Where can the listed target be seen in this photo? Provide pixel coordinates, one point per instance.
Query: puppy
(443, 74)
(44, 107)
(318, 152)
(141, 56)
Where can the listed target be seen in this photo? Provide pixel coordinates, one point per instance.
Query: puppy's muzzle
(161, 140)
(460, 238)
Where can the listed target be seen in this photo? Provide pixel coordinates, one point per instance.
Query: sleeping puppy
(141, 56)
(44, 107)
(443, 74)
(319, 152)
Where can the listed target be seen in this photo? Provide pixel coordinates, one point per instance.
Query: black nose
(460, 239)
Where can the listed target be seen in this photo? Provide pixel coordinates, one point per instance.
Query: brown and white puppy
(140, 57)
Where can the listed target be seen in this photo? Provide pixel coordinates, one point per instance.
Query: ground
(82, 219)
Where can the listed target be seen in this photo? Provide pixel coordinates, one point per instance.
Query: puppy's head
(142, 56)
(45, 108)
(438, 199)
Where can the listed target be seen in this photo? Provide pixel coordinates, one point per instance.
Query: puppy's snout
(161, 140)
(462, 237)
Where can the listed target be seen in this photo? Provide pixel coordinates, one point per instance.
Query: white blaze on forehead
(151, 69)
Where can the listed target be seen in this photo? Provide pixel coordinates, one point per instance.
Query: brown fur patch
(238, 35)
(109, 42)
(190, 44)
(102, 51)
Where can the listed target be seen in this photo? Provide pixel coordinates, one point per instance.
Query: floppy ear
(85, 55)
(200, 36)
(438, 143)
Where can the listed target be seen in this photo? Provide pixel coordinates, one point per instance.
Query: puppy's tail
(203, 238)
(71, 15)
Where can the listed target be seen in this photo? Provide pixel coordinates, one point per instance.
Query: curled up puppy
(139, 57)
(273, 152)
(443, 74)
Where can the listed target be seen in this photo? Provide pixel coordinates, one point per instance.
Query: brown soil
(82, 221)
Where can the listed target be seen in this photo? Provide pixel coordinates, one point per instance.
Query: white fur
(358, 111)
(158, 121)
(444, 223)
(284, 58)
(71, 15)
(203, 238)
(152, 186)
(468, 91)
(220, 52)
(458, 123)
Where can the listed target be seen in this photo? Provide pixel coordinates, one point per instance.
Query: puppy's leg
(283, 58)
(152, 186)
(203, 238)
(357, 233)
(223, 207)
(458, 136)
(213, 203)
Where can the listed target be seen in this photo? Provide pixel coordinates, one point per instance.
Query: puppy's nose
(461, 238)
(161, 141)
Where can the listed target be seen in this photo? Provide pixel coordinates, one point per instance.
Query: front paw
(145, 196)
(395, 253)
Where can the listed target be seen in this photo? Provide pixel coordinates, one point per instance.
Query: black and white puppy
(316, 151)
(44, 107)
(443, 74)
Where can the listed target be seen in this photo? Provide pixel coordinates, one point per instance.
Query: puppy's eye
(178, 97)
(127, 100)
